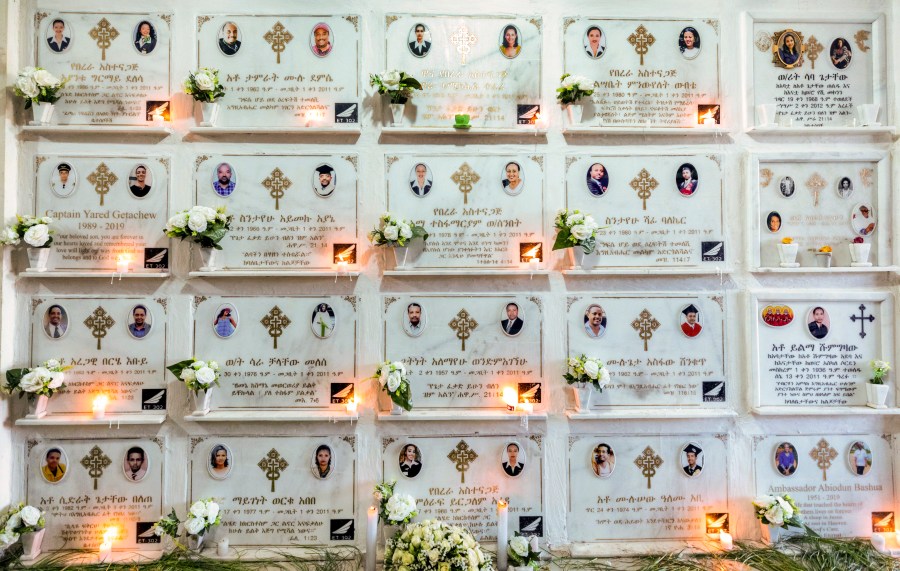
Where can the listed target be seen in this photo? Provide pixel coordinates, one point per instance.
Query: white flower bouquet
(879, 370)
(435, 546)
(396, 84)
(780, 511)
(587, 370)
(394, 231)
(44, 380)
(573, 87)
(19, 519)
(394, 509)
(197, 375)
(202, 516)
(524, 552)
(392, 377)
(575, 228)
(203, 85)
(37, 85)
(167, 525)
(203, 225)
(35, 231)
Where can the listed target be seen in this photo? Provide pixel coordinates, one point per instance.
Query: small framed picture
(786, 459)
(224, 180)
(135, 464)
(859, 457)
(229, 40)
(595, 321)
(841, 53)
(414, 320)
(321, 41)
(513, 459)
(686, 179)
(221, 462)
(410, 460)
(862, 218)
(773, 222)
(63, 180)
(144, 37)
(56, 321)
(54, 464)
(786, 186)
(59, 36)
(818, 322)
(140, 181)
(513, 324)
(419, 40)
(323, 462)
(139, 321)
(324, 180)
(689, 43)
(513, 183)
(226, 321)
(597, 179)
(594, 41)
(420, 179)
(692, 460)
(603, 460)
(510, 41)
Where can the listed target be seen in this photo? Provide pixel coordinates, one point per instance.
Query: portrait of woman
(773, 222)
(786, 459)
(54, 465)
(323, 462)
(686, 179)
(229, 39)
(63, 180)
(789, 49)
(226, 321)
(509, 42)
(59, 37)
(603, 460)
(845, 187)
(513, 183)
(323, 321)
(841, 54)
(420, 178)
(410, 460)
(594, 42)
(512, 459)
(786, 186)
(862, 219)
(689, 43)
(221, 461)
(140, 181)
(860, 458)
(818, 322)
(597, 179)
(144, 37)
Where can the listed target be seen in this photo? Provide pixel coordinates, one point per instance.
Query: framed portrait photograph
(692, 460)
(56, 321)
(224, 179)
(144, 37)
(54, 464)
(786, 459)
(323, 321)
(840, 53)
(63, 180)
(323, 462)
(513, 323)
(595, 321)
(221, 462)
(419, 40)
(773, 222)
(229, 39)
(59, 36)
(512, 459)
(786, 187)
(414, 320)
(410, 460)
(690, 321)
(844, 187)
(818, 322)
(859, 458)
(597, 179)
(321, 40)
(788, 48)
(862, 219)
(510, 43)
(513, 181)
(603, 460)
(687, 180)
(324, 180)
(777, 315)
(226, 321)
(420, 179)
(140, 180)
(139, 321)
(594, 41)
(689, 42)
(135, 464)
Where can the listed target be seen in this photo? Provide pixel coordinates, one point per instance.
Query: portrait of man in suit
(514, 460)
(56, 322)
(512, 325)
(419, 40)
(324, 180)
(145, 38)
(135, 464)
(63, 183)
(57, 38)
(420, 180)
(229, 42)
(693, 460)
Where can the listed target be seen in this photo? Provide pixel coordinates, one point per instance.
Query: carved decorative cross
(103, 33)
(648, 462)
(862, 318)
(462, 456)
(463, 325)
(277, 183)
(861, 37)
(276, 322)
(813, 49)
(815, 184)
(644, 184)
(95, 461)
(273, 465)
(465, 178)
(645, 325)
(463, 40)
(823, 454)
(102, 179)
(99, 323)
(278, 37)
(641, 39)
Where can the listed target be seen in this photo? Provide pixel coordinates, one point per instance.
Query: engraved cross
(102, 179)
(276, 322)
(99, 323)
(463, 324)
(463, 40)
(95, 461)
(277, 183)
(823, 454)
(645, 325)
(648, 462)
(462, 456)
(862, 318)
(103, 33)
(273, 465)
(465, 178)
(641, 39)
(278, 37)
(644, 184)
(813, 49)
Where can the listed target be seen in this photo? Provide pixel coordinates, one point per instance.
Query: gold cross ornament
(644, 184)
(273, 465)
(95, 461)
(278, 37)
(462, 456)
(816, 184)
(103, 33)
(275, 322)
(813, 49)
(641, 39)
(465, 178)
(463, 40)
(648, 462)
(823, 454)
(645, 325)
(277, 183)
(99, 323)
(463, 325)
(102, 179)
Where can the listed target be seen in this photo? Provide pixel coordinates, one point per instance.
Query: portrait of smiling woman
(509, 42)
(220, 462)
(410, 461)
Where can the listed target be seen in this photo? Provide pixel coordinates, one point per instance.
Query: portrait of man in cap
(63, 183)
(323, 180)
(321, 40)
(690, 325)
(693, 460)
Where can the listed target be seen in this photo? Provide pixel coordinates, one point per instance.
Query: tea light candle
(99, 406)
(502, 533)
(510, 396)
(879, 542)
(105, 551)
(726, 540)
(352, 405)
(371, 535)
(709, 121)
(222, 547)
(122, 264)
(534, 264)
(527, 407)
(342, 267)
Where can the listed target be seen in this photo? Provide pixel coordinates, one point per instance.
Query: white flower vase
(31, 544)
(771, 533)
(575, 112)
(195, 542)
(37, 259)
(823, 259)
(576, 256)
(396, 409)
(859, 255)
(202, 400)
(876, 395)
(583, 392)
(400, 256)
(42, 113)
(397, 110)
(208, 259)
(209, 110)
(787, 253)
(37, 407)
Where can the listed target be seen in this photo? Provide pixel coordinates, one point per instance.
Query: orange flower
(825, 249)
(787, 240)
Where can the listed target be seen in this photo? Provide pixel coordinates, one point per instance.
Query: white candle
(533, 543)
(527, 407)
(502, 532)
(709, 121)
(534, 264)
(371, 535)
(122, 264)
(105, 552)
(726, 540)
(222, 547)
(342, 267)
(352, 405)
(879, 542)
(510, 396)
(99, 406)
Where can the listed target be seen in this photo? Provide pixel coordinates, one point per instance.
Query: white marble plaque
(290, 211)
(477, 210)
(465, 349)
(656, 211)
(295, 352)
(118, 64)
(103, 208)
(116, 345)
(645, 487)
(816, 351)
(646, 74)
(279, 490)
(816, 73)
(87, 486)
(459, 479)
(283, 70)
(488, 67)
(654, 355)
(839, 482)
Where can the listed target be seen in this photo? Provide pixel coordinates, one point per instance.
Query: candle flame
(502, 504)
(111, 534)
(510, 396)
(101, 401)
(710, 114)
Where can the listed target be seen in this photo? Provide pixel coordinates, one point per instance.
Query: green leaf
(563, 240)
(14, 377)
(178, 367)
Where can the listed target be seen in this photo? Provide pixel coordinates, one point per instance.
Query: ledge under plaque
(439, 415)
(471, 131)
(269, 415)
(831, 270)
(49, 130)
(823, 411)
(111, 419)
(273, 274)
(463, 272)
(662, 271)
(889, 130)
(654, 412)
(699, 131)
(93, 274)
(318, 131)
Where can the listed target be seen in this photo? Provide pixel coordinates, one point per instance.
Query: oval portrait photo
(841, 53)
(597, 179)
(595, 321)
(135, 464)
(56, 321)
(419, 40)
(786, 459)
(321, 40)
(420, 178)
(786, 186)
(689, 43)
(414, 319)
(323, 462)
(226, 321)
(224, 179)
(512, 459)
(323, 180)
(789, 50)
(512, 323)
(603, 460)
(692, 460)
(845, 187)
(63, 180)
(139, 321)
(54, 464)
(594, 41)
(221, 462)
(59, 36)
(323, 321)
(229, 39)
(690, 321)
(777, 315)
(818, 322)
(859, 456)
(510, 43)
(144, 37)
(140, 180)
(410, 460)
(686, 179)
(513, 183)
(862, 219)
(773, 222)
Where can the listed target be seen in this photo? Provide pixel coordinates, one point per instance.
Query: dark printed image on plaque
(841, 53)
(140, 181)
(415, 320)
(603, 460)
(54, 464)
(595, 321)
(136, 464)
(513, 459)
(410, 460)
(324, 180)
(597, 179)
(689, 43)
(229, 39)
(862, 219)
(419, 40)
(56, 321)
(859, 458)
(692, 460)
(687, 179)
(323, 462)
(818, 322)
(221, 462)
(139, 321)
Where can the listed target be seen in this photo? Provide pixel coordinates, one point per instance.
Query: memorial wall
(739, 164)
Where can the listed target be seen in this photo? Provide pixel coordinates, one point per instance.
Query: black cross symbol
(862, 317)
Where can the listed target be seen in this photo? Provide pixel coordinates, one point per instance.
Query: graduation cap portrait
(324, 180)
(690, 321)
(692, 459)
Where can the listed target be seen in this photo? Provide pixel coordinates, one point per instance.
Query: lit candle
(106, 547)
(527, 407)
(158, 118)
(342, 267)
(879, 542)
(726, 540)
(371, 535)
(502, 531)
(510, 397)
(533, 264)
(709, 121)
(352, 405)
(99, 407)
(222, 547)
(122, 264)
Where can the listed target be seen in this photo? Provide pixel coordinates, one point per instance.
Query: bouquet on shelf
(19, 519)
(572, 88)
(34, 231)
(879, 370)
(394, 509)
(396, 84)
(780, 511)
(202, 516)
(37, 85)
(575, 228)
(435, 546)
(587, 371)
(43, 380)
(392, 378)
(524, 552)
(197, 375)
(203, 85)
(203, 225)
(394, 231)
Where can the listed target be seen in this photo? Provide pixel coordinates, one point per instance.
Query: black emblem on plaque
(531, 525)
(342, 529)
(156, 258)
(713, 391)
(346, 113)
(153, 399)
(712, 251)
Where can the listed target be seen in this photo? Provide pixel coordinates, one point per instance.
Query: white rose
(52, 363)
(574, 219)
(30, 515)
(31, 383)
(10, 236)
(37, 235)
(178, 221)
(46, 220)
(194, 525)
(188, 375)
(197, 365)
(434, 555)
(604, 377)
(785, 508)
(879, 364)
(400, 507)
(206, 376)
(213, 365)
(393, 381)
(405, 231)
(391, 78)
(763, 501)
(590, 222)
(56, 380)
(14, 522)
(46, 79)
(209, 213)
(28, 86)
(775, 515)
(212, 512)
(591, 369)
(581, 232)
(399, 366)
(197, 222)
(391, 232)
(8, 538)
(384, 376)
(204, 81)
(519, 545)
(199, 509)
